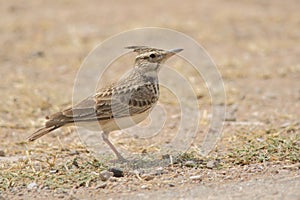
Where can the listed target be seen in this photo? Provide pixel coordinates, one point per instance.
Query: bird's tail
(40, 132)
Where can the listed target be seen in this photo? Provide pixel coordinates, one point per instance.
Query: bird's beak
(175, 50)
(172, 52)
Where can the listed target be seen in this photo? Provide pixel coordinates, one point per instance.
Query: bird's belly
(114, 124)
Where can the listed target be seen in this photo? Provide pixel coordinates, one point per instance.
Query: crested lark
(120, 105)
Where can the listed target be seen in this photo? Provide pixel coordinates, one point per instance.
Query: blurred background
(254, 43)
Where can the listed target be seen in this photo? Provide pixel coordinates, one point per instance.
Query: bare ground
(255, 46)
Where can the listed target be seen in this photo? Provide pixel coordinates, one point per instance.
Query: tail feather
(54, 121)
(40, 132)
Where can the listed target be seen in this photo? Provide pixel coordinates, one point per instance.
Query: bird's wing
(115, 102)
(129, 101)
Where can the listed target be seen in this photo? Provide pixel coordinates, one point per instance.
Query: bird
(119, 105)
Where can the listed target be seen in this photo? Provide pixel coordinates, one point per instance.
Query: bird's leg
(106, 140)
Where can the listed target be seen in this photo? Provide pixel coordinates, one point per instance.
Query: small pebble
(171, 184)
(189, 163)
(32, 185)
(166, 156)
(147, 177)
(197, 177)
(53, 171)
(260, 139)
(211, 164)
(159, 171)
(61, 191)
(134, 172)
(286, 124)
(2, 153)
(101, 185)
(145, 187)
(116, 172)
(105, 175)
(113, 179)
(73, 152)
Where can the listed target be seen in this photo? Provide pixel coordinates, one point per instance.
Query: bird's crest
(142, 49)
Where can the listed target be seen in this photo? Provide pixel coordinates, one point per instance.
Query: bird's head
(149, 59)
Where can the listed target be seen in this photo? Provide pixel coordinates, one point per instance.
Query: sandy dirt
(255, 45)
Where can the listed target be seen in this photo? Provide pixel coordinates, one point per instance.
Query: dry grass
(53, 167)
(252, 43)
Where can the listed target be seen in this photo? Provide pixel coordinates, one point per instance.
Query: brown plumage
(130, 98)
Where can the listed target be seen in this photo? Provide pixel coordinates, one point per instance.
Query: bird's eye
(152, 55)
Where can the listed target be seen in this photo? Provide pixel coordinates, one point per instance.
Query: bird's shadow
(145, 162)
